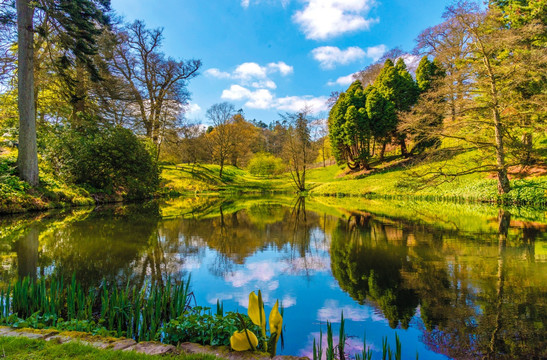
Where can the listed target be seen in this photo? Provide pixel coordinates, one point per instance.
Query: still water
(452, 280)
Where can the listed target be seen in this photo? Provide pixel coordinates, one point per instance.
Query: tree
(490, 114)
(382, 117)
(297, 151)
(156, 85)
(220, 138)
(80, 23)
(396, 85)
(349, 128)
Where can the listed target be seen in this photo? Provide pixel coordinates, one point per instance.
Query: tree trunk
(404, 151)
(383, 151)
(221, 168)
(503, 181)
(27, 160)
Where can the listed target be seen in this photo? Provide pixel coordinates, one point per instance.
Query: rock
(154, 348)
(226, 353)
(122, 344)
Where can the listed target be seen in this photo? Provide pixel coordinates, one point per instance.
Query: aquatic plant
(131, 312)
(243, 339)
(337, 352)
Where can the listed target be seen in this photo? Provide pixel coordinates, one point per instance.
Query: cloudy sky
(272, 56)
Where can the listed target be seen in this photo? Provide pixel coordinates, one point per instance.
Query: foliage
(110, 160)
(264, 164)
(198, 325)
(130, 312)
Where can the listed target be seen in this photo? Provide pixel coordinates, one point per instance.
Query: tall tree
(156, 85)
(79, 23)
(349, 128)
(491, 115)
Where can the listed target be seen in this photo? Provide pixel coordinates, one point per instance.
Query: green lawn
(19, 348)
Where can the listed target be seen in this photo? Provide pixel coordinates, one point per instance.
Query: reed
(137, 313)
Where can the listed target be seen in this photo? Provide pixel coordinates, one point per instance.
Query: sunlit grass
(22, 348)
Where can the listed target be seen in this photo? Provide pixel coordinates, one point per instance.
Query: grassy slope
(23, 348)
(391, 179)
(18, 196)
(205, 178)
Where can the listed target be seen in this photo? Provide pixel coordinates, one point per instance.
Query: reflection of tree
(27, 252)
(368, 266)
(103, 244)
(503, 316)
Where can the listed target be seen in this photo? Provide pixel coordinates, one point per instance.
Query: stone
(154, 348)
(122, 344)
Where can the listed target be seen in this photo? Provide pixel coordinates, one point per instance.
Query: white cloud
(280, 66)
(329, 56)
(192, 109)
(376, 52)
(236, 92)
(245, 3)
(343, 80)
(297, 103)
(214, 72)
(253, 74)
(249, 70)
(323, 19)
(264, 99)
(260, 99)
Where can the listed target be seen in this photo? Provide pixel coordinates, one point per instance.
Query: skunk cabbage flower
(243, 340)
(276, 321)
(256, 311)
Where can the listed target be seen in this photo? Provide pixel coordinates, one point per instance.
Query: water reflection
(457, 282)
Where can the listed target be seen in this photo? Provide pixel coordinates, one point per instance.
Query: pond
(452, 280)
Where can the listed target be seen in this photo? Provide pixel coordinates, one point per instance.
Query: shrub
(110, 160)
(265, 164)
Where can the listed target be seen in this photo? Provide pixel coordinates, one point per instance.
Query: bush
(109, 160)
(265, 164)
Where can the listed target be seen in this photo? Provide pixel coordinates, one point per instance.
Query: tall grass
(128, 311)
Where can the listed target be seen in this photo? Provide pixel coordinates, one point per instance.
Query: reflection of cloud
(354, 345)
(259, 271)
(273, 285)
(332, 310)
(190, 263)
(288, 301)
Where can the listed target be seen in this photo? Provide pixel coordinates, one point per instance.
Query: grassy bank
(17, 196)
(18, 348)
(392, 179)
(396, 179)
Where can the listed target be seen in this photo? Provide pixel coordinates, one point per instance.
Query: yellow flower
(276, 321)
(256, 311)
(242, 342)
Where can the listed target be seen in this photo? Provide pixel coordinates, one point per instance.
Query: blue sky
(272, 56)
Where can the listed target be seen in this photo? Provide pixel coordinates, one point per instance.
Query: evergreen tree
(349, 128)
(382, 117)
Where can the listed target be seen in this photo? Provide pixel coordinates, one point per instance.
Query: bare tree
(221, 115)
(156, 84)
(297, 151)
